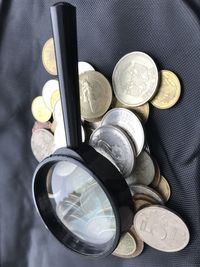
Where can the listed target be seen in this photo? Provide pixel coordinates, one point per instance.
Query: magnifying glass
(80, 195)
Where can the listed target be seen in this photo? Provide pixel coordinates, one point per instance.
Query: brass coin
(48, 57)
(169, 91)
(139, 243)
(141, 203)
(164, 189)
(54, 98)
(148, 198)
(157, 177)
(126, 247)
(95, 95)
(39, 110)
(142, 111)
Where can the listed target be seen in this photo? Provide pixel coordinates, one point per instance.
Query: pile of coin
(114, 126)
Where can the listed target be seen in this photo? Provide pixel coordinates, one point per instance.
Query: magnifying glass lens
(81, 204)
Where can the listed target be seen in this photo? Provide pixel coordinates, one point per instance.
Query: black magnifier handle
(63, 17)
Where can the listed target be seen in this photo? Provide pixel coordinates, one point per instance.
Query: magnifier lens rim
(51, 219)
(93, 184)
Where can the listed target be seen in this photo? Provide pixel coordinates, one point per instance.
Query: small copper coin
(41, 125)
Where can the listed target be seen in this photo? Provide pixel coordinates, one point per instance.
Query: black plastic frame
(112, 183)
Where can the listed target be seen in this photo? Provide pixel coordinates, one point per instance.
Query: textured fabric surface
(169, 31)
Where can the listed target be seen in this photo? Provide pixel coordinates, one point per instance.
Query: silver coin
(161, 229)
(144, 171)
(142, 189)
(128, 121)
(83, 67)
(135, 79)
(113, 143)
(42, 144)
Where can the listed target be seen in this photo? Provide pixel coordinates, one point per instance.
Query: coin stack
(114, 126)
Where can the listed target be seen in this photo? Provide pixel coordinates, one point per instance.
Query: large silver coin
(95, 94)
(135, 79)
(113, 143)
(42, 144)
(142, 189)
(128, 121)
(161, 229)
(144, 171)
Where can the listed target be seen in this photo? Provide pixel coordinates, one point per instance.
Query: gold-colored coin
(142, 111)
(147, 198)
(141, 203)
(126, 247)
(139, 243)
(95, 95)
(169, 91)
(39, 110)
(157, 176)
(164, 189)
(48, 57)
(54, 98)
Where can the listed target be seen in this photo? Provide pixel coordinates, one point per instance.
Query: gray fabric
(168, 30)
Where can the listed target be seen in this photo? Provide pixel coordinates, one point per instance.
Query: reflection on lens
(82, 206)
(63, 169)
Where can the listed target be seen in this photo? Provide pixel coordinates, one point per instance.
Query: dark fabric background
(168, 30)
